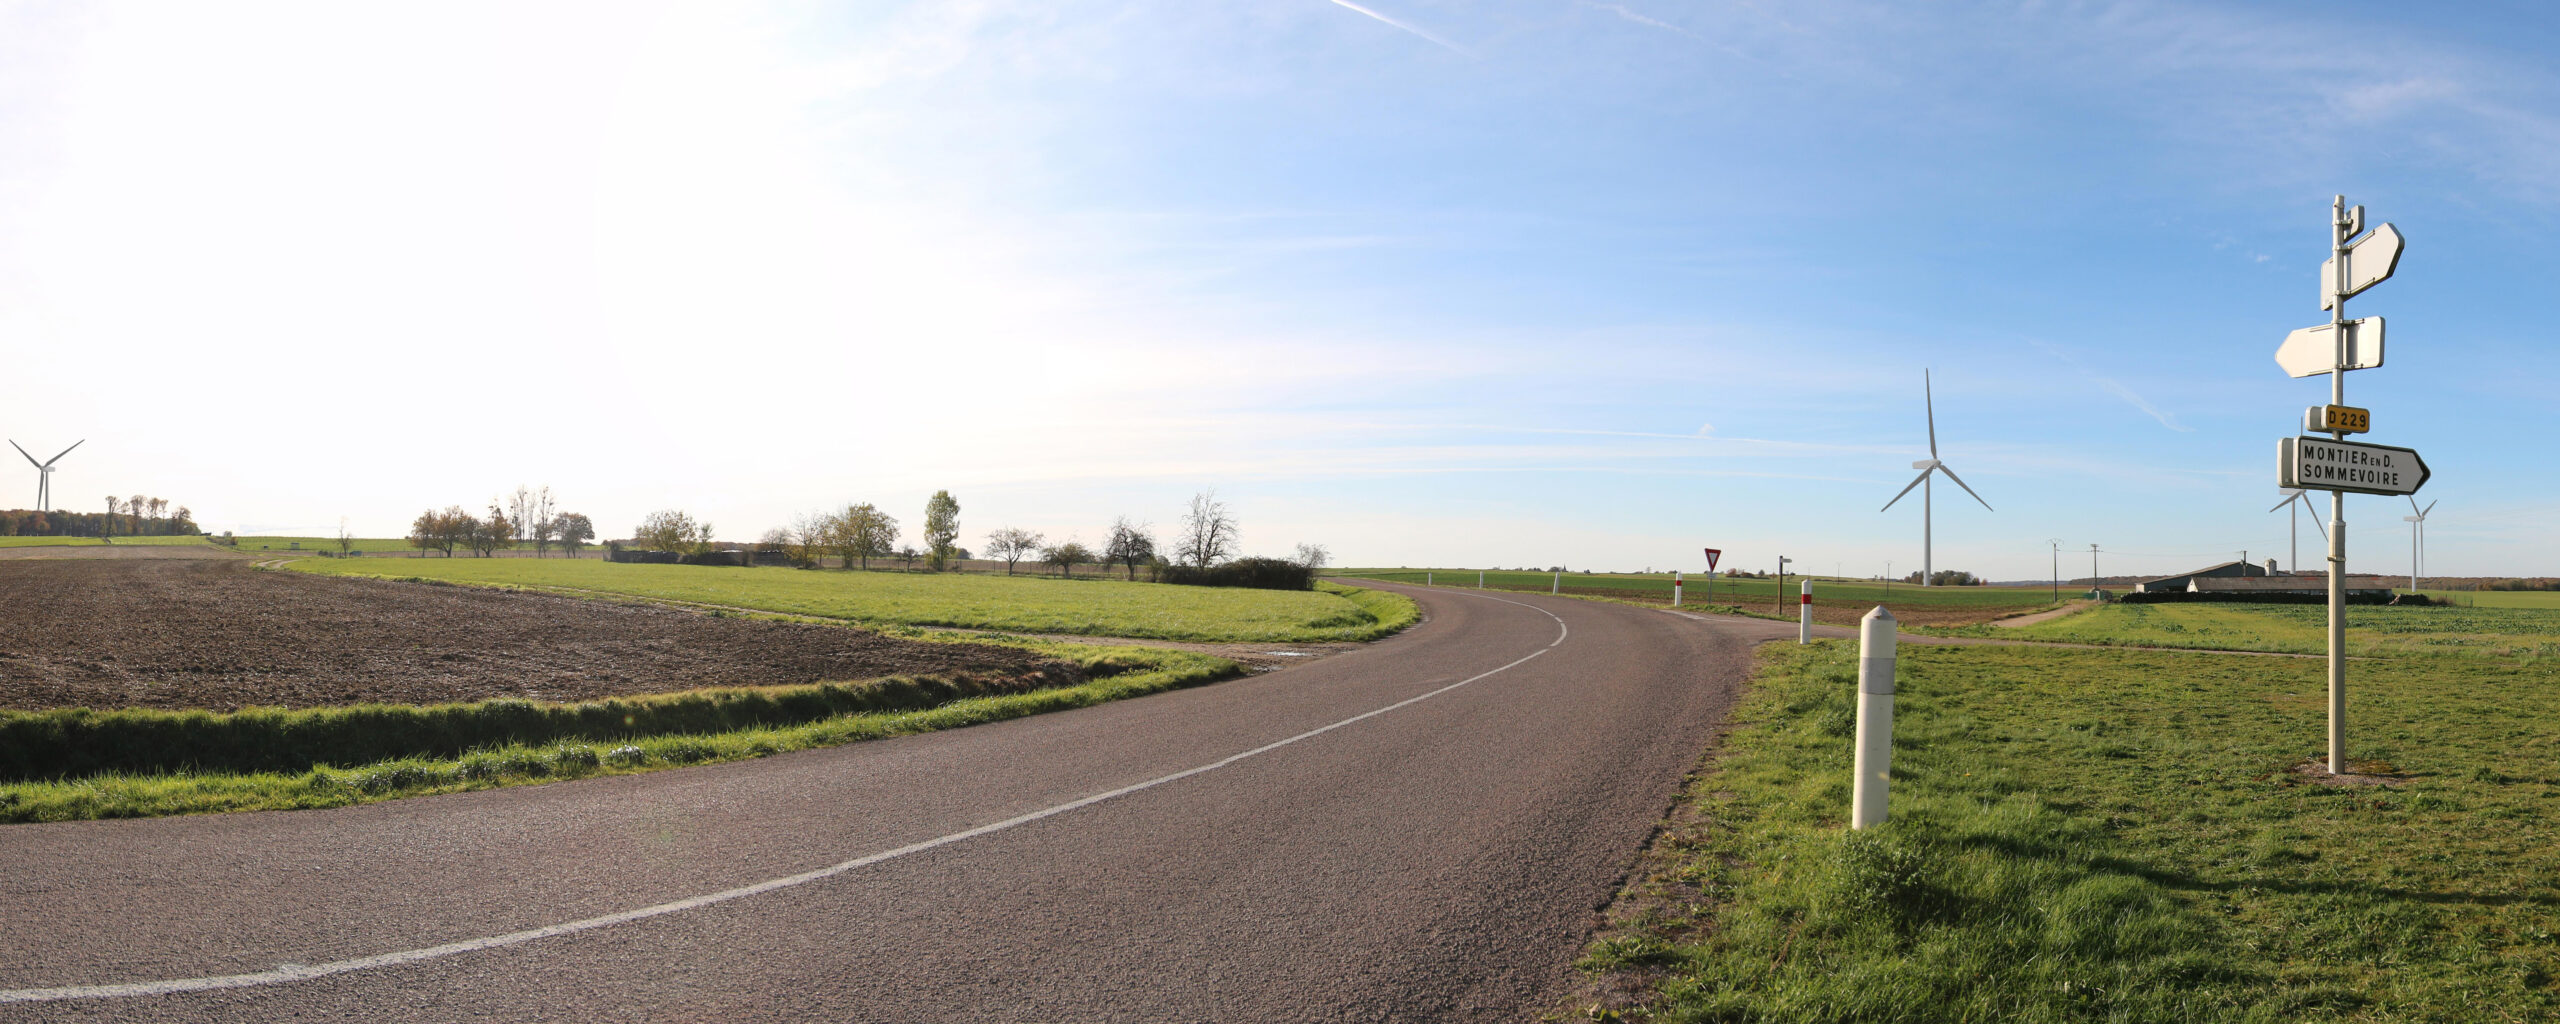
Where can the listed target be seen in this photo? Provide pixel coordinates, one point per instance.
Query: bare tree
(1130, 544)
(545, 523)
(909, 554)
(1208, 532)
(1313, 556)
(1013, 544)
(346, 541)
(809, 537)
(519, 513)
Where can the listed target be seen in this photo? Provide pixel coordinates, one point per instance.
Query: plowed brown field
(211, 632)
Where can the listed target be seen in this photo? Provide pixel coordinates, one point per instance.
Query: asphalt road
(1420, 830)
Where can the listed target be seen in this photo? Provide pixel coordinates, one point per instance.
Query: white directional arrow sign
(2314, 350)
(2370, 260)
(2320, 464)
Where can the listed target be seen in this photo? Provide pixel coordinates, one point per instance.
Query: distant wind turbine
(1926, 467)
(2417, 538)
(2293, 529)
(44, 473)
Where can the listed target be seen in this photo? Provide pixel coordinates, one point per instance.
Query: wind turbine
(2293, 528)
(1926, 467)
(2417, 537)
(44, 473)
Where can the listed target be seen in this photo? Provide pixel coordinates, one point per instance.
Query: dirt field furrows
(214, 633)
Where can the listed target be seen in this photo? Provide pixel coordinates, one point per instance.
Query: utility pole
(2093, 567)
(2057, 569)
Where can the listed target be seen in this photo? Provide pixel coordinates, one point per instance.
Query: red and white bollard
(1675, 588)
(1804, 614)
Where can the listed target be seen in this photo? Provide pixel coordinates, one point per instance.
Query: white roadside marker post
(1558, 586)
(1804, 614)
(1873, 761)
(1675, 588)
(1426, 579)
(1479, 579)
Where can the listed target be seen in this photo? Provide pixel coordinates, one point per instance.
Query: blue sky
(1427, 282)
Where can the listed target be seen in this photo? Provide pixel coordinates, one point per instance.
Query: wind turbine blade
(2284, 503)
(2431, 506)
(1915, 482)
(2315, 524)
(58, 457)
(1925, 396)
(1951, 475)
(31, 460)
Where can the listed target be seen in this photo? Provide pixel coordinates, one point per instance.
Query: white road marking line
(301, 972)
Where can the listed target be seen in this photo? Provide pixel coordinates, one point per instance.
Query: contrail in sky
(1391, 21)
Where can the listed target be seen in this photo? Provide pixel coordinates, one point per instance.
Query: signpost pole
(2338, 501)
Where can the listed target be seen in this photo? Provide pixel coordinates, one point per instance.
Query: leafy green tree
(941, 527)
(672, 530)
(576, 531)
(861, 533)
(1066, 557)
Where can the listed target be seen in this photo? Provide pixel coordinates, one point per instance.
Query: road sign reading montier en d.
(2320, 464)
(2314, 350)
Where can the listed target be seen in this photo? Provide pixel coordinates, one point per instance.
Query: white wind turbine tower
(2417, 537)
(44, 473)
(1926, 467)
(2295, 496)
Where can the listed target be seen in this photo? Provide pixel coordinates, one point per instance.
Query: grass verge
(206, 762)
(2107, 836)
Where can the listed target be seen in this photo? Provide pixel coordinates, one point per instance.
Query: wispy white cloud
(2117, 388)
(1416, 30)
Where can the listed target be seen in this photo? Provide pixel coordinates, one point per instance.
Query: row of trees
(1208, 538)
(139, 515)
(528, 516)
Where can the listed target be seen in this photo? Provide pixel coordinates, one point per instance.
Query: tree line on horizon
(527, 516)
(136, 516)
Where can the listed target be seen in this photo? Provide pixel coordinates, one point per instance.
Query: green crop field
(53, 542)
(2498, 598)
(1657, 586)
(1027, 604)
(2303, 628)
(2136, 836)
(365, 544)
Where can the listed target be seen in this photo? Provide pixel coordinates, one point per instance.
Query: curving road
(1419, 830)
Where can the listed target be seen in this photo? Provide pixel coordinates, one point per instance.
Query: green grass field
(51, 542)
(1026, 604)
(2092, 835)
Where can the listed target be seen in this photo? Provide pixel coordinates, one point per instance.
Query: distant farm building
(2245, 581)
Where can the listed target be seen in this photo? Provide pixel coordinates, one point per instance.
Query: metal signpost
(2334, 464)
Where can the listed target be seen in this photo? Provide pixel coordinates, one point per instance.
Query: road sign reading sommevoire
(2320, 464)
